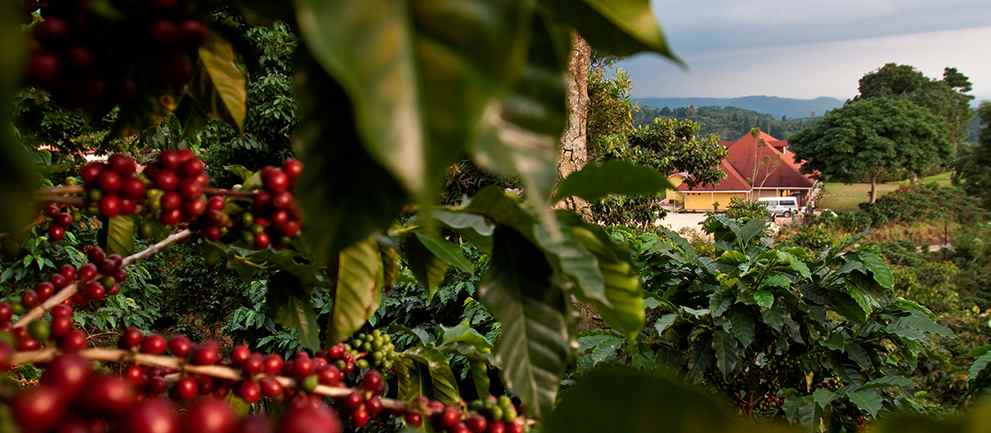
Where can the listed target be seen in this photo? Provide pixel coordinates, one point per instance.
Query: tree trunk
(574, 150)
(574, 140)
(873, 192)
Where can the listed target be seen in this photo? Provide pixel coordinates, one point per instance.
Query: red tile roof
(733, 181)
(760, 161)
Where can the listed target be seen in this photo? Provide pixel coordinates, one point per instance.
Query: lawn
(841, 196)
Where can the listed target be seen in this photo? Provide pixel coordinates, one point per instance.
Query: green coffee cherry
(40, 330)
(310, 383)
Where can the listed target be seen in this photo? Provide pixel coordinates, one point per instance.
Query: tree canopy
(871, 138)
(974, 160)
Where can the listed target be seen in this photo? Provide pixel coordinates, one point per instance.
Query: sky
(810, 48)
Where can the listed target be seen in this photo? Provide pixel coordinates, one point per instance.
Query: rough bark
(574, 140)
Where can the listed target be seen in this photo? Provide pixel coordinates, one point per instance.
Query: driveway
(677, 221)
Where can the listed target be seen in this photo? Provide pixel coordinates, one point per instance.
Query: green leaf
(444, 385)
(596, 349)
(732, 257)
(614, 27)
(428, 269)
(665, 322)
(520, 136)
(780, 281)
(297, 314)
(346, 195)
(228, 79)
(878, 268)
(19, 179)
(628, 400)
(764, 299)
(480, 377)
(410, 379)
(120, 235)
(889, 381)
(574, 259)
(978, 367)
(460, 221)
(917, 327)
(421, 76)
(533, 348)
(359, 289)
(795, 264)
(625, 310)
(868, 400)
(464, 333)
(743, 325)
(445, 250)
(726, 353)
(863, 299)
(823, 397)
(595, 181)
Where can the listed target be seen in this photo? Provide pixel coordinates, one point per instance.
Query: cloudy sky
(809, 48)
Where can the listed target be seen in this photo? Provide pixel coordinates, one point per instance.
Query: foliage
(746, 210)
(667, 146)
(971, 166)
(611, 110)
(729, 123)
(946, 98)
(823, 330)
(869, 138)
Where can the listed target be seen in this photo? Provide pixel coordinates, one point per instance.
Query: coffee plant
(389, 96)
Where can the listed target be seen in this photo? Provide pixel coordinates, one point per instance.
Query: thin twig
(217, 371)
(60, 190)
(71, 289)
(229, 192)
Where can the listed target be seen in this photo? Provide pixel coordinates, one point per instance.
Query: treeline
(727, 122)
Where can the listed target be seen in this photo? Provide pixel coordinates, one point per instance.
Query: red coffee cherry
(68, 372)
(154, 344)
(185, 388)
(180, 346)
(273, 364)
(292, 168)
(61, 326)
(87, 271)
(207, 353)
(240, 354)
(250, 391)
(373, 382)
(110, 181)
(108, 395)
(131, 338)
(450, 417)
(360, 417)
(30, 299)
(91, 172)
(133, 189)
(151, 416)
(310, 418)
(476, 423)
(58, 281)
(56, 233)
(274, 180)
(413, 418)
(254, 364)
(210, 415)
(73, 341)
(271, 388)
(330, 376)
(110, 206)
(122, 164)
(38, 409)
(63, 219)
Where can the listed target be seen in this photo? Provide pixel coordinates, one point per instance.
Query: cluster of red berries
(89, 61)
(179, 179)
(113, 188)
(71, 397)
(276, 216)
(215, 224)
(60, 220)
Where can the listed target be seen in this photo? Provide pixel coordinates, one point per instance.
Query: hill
(788, 107)
(727, 122)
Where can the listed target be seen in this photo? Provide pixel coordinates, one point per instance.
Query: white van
(780, 206)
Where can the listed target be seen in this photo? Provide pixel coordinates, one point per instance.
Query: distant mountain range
(777, 106)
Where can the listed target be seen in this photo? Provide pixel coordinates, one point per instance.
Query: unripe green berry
(40, 330)
(107, 282)
(17, 307)
(94, 195)
(362, 363)
(310, 383)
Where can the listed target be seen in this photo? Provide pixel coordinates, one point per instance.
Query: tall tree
(871, 138)
(946, 97)
(574, 140)
(974, 160)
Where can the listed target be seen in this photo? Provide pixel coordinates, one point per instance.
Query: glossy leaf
(614, 27)
(978, 367)
(464, 333)
(764, 299)
(345, 195)
(533, 348)
(228, 79)
(410, 379)
(19, 181)
(597, 181)
(428, 269)
(878, 269)
(462, 221)
(445, 250)
(868, 400)
(521, 135)
(421, 75)
(297, 314)
(627, 400)
(359, 289)
(120, 235)
(444, 385)
(665, 322)
(625, 310)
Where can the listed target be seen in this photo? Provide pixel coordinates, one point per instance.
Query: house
(756, 165)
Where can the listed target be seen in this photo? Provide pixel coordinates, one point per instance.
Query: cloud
(814, 69)
(723, 24)
(808, 48)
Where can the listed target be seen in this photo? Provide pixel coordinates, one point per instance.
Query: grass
(841, 196)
